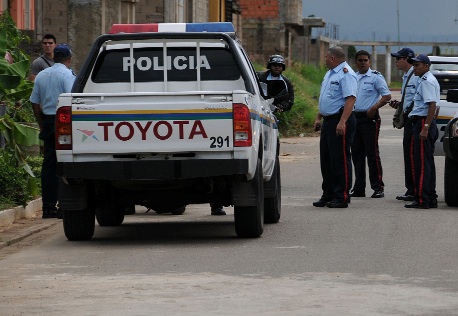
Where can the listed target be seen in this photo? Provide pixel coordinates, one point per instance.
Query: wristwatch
(426, 126)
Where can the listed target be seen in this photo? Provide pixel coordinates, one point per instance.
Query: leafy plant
(15, 91)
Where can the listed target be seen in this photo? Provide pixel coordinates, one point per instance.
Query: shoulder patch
(345, 70)
(424, 78)
(376, 72)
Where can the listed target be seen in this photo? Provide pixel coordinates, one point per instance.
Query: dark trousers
(425, 168)
(335, 160)
(365, 145)
(48, 168)
(407, 145)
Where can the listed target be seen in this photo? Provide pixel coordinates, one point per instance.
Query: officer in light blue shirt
(337, 98)
(424, 133)
(373, 93)
(49, 84)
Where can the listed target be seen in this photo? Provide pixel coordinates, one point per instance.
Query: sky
(419, 20)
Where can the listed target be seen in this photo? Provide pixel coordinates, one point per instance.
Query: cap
(423, 58)
(62, 50)
(405, 52)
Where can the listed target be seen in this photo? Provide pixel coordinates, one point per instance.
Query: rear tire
(272, 205)
(79, 224)
(451, 182)
(249, 220)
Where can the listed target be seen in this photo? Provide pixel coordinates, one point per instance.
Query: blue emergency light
(224, 27)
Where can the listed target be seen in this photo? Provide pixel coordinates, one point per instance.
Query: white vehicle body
(165, 119)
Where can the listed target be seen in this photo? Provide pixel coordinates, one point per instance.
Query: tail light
(242, 126)
(64, 128)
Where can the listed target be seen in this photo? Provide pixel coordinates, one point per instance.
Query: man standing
(49, 84)
(373, 93)
(424, 133)
(407, 91)
(278, 86)
(46, 60)
(337, 98)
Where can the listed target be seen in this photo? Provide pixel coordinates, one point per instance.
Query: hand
(394, 104)
(317, 125)
(340, 129)
(424, 133)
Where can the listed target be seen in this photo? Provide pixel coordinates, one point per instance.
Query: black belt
(415, 118)
(333, 116)
(359, 115)
(49, 117)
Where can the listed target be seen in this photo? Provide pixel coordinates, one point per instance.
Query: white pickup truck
(166, 115)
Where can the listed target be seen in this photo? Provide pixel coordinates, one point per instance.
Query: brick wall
(260, 9)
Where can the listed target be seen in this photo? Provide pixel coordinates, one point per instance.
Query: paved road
(374, 258)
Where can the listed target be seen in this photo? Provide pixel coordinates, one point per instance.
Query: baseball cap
(62, 50)
(405, 52)
(422, 58)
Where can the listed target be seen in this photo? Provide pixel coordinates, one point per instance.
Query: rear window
(148, 64)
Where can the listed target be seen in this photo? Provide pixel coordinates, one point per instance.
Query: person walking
(337, 98)
(407, 92)
(49, 84)
(372, 94)
(278, 86)
(47, 59)
(424, 133)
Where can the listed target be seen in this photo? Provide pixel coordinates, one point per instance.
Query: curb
(10, 216)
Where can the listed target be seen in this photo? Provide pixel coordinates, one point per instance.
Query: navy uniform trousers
(423, 157)
(335, 159)
(365, 145)
(48, 170)
(407, 144)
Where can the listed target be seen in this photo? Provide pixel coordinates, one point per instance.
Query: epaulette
(345, 70)
(376, 72)
(424, 78)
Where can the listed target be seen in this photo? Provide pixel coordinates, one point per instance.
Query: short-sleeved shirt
(410, 88)
(428, 90)
(371, 85)
(49, 84)
(40, 64)
(338, 84)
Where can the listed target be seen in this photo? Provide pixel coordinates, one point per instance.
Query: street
(374, 258)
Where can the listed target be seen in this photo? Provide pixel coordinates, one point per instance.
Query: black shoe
(320, 203)
(337, 204)
(433, 203)
(354, 193)
(416, 204)
(218, 210)
(405, 197)
(50, 213)
(378, 194)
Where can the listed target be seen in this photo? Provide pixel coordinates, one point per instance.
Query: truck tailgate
(152, 123)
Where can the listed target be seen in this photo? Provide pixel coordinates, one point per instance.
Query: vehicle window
(444, 67)
(148, 63)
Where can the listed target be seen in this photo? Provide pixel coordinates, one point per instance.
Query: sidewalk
(19, 223)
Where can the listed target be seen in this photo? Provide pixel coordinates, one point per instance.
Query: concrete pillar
(374, 57)
(388, 64)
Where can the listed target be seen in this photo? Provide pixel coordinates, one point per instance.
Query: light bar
(224, 27)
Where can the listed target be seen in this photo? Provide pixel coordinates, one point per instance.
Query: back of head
(337, 52)
(62, 53)
(276, 59)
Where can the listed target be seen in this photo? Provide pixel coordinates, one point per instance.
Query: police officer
(278, 86)
(407, 91)
(49, 84)
(424, 133)
(373, 93)
(337, 98)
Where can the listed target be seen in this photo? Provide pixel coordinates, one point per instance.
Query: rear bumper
(148, 170)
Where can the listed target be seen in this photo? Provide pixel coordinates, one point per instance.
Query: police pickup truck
(450, 147)
(166, 115)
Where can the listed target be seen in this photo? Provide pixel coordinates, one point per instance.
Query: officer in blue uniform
(407, 91)
(424, 134)
(337, 98)
(49, 84)
(373, 93)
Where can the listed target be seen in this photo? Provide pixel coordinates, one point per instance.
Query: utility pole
(399, 30)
